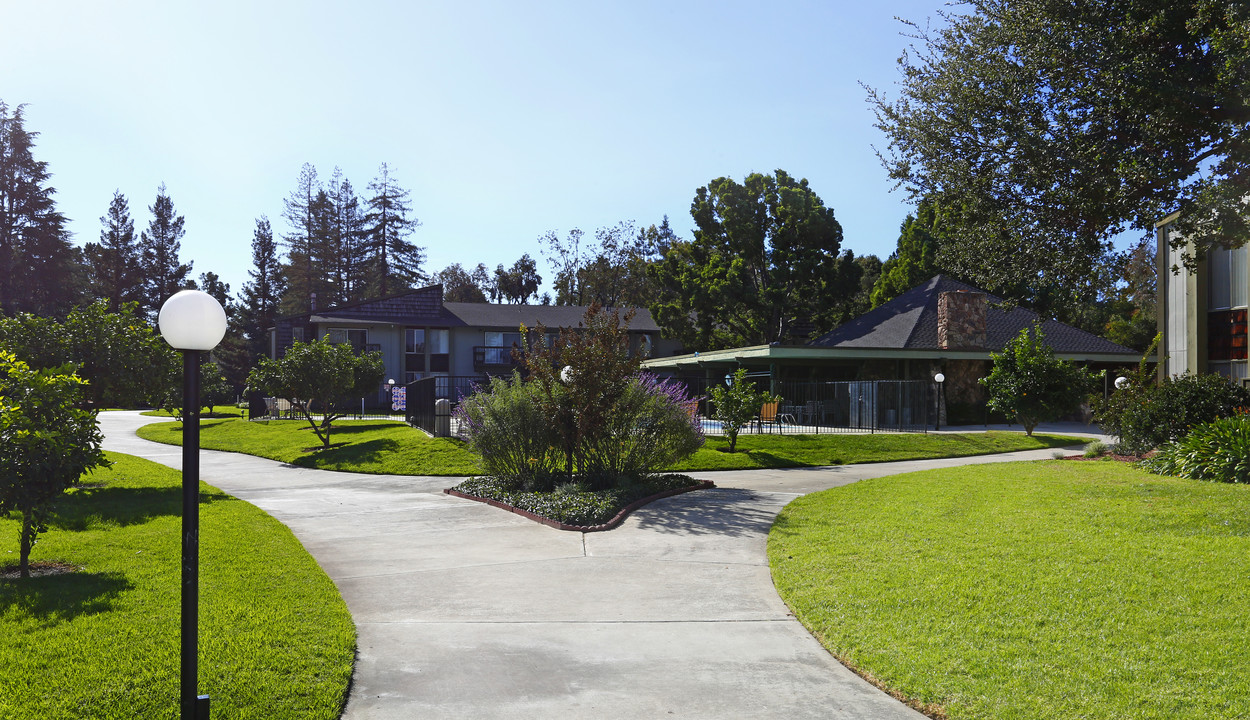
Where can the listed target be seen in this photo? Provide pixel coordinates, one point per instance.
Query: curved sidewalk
(465, 611)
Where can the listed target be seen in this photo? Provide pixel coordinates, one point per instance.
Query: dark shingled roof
(910, 321)
(553, 317)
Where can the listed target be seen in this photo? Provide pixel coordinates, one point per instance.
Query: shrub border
(609, 525)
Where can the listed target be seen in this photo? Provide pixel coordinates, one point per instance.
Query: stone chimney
(961, 320)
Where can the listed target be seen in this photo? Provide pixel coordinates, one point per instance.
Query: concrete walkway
(466, 611)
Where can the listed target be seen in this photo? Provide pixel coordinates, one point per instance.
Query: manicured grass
(276, 640)
(393, 448)
(221, 411)
(1054, 589)
(366, 446)
(772, 451)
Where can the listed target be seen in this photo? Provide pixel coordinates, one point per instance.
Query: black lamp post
(939, 379)
(192, 322)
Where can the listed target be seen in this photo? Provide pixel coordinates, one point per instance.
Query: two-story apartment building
(421, 336)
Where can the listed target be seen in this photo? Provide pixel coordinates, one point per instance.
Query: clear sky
(504, 119)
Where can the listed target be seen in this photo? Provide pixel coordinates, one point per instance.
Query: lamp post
(192, 322)
(939, 379)
(1120, 382)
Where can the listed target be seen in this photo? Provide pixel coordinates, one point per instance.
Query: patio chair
(768, 415)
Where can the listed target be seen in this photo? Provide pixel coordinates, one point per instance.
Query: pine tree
(113, 263)
(260, 297)
(40, 270)
(159, 245)
(300, 211)
(395, 263)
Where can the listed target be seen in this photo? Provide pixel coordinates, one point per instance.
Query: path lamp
(192, 322)
(1120, 382)
(939, 379)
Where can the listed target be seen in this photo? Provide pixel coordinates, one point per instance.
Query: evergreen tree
(915, 259)
(395, 263)
(40, 271)
(347, 238)
(113, 264)
(299, 210)
(159, 245)
(261, 295)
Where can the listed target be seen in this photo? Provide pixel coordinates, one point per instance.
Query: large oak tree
(1044, 128)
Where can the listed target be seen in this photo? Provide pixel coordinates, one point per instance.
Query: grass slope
(367, 446)
(393, 448)
(1030, 590)
(769, 451)
(276, 640)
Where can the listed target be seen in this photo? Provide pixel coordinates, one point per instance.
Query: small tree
(738, 404)
(1032, 385)
(46, 443)
(319, 375)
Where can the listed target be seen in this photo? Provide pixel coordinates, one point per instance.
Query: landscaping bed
(574, 508)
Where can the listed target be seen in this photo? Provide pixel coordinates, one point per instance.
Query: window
(356, 337)
(414, 351)
(499, 346)
(297, 334)
(1227, 272)
(438, 342)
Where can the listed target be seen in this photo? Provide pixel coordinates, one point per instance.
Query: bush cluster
(1145, 415)
(583, 413)
(1218, 450)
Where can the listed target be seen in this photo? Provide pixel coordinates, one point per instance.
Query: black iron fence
(430, 401)
(809, 407)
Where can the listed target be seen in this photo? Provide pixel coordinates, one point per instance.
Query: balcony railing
(487, 357)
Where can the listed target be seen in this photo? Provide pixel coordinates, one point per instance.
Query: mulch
(40, 568)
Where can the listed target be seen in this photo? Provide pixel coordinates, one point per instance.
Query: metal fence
(809, 407)
(430, 401)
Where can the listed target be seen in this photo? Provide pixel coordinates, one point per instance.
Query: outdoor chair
(769, 416)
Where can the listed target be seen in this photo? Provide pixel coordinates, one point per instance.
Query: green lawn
(276, 640)
(367, 446)
(218, 411)
(772, 451)
(393, 448)
(1030, 590)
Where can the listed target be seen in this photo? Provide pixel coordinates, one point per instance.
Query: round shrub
(1218, 451)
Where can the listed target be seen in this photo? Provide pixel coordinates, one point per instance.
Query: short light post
(192, 322)
(939, 379)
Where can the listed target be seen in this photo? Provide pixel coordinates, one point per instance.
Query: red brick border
(615, 521)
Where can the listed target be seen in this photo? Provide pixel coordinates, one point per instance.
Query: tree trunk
(28, 539)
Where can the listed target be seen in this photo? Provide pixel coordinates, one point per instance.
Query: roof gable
(910, 322)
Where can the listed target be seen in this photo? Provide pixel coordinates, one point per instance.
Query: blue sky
(504, 119)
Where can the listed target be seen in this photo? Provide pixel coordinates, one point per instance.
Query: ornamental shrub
(584, 413)
(1144, 415)
(1033, 386)
(738, 404)
(507, 425)
(1218, 451)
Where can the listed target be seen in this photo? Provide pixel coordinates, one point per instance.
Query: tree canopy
(763, 265)
(1043, 128)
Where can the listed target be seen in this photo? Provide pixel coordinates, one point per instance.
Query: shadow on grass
(56, 598)
(93, 506)
(349, 453)
(354, 429)
(726, 512)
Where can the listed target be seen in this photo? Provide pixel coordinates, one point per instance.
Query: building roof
(510, 317)
(910, 322)
(425, 306)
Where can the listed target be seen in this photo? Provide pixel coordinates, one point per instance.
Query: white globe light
(192, 320)
(1120, 382)
(566, 375)
(939, 378)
